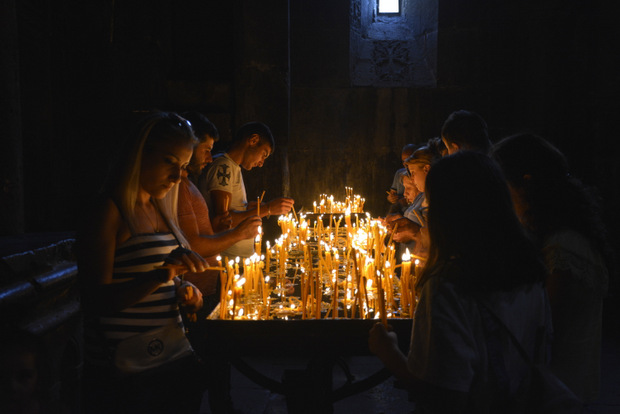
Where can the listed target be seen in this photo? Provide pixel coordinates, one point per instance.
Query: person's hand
(392, 196)
(406, 231)
(279, 206)
(221, 222)
(182, 260)
(390, 219)
(190, 299)
(248, 228)
(382, 341)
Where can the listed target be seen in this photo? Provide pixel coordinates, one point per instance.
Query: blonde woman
(137, 356)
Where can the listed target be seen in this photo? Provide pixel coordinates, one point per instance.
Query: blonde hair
(428, 154)
(154, 128)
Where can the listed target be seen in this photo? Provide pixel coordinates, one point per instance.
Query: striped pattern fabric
(133, 259)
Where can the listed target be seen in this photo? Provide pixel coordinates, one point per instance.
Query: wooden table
(322, 343)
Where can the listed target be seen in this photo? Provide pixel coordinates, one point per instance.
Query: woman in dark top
(564, 217)
(478, 253)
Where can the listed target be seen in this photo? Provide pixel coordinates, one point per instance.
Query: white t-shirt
(225, 175)
(448, 345)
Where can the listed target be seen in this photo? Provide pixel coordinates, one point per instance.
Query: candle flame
(406, 256)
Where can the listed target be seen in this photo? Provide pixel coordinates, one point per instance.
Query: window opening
(388, 6)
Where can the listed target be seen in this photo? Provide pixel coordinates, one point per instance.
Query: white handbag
(151, 349)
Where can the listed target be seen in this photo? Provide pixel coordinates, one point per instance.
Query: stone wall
(544, 66)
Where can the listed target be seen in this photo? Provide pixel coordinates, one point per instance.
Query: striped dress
(132, 260)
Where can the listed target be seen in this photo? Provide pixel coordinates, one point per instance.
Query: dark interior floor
(250, 398)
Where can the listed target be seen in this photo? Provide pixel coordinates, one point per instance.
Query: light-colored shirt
(224, 174)
(448, 344)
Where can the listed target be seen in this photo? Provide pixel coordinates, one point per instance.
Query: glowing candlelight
(257, 241)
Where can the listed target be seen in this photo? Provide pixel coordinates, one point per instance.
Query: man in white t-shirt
(224, 190)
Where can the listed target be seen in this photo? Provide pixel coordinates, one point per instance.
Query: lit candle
(334, 294)
(222, 288)
(268, 257)
(406, 293)
(257, 241)
(381, 295)
(266, 295)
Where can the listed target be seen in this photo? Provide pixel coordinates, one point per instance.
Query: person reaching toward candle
(407, 230)
(465, 130)
(223, 188)
(194, 219)
(396, 198)
(479, 258)
(195, 222)
(130, 253)
(563, 215)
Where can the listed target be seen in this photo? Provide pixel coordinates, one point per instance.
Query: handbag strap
(522, 352)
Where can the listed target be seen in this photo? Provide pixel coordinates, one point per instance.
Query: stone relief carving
(396, 51)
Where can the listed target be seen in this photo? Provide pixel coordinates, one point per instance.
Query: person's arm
(384, 344)
(222, 217)
(193, 215)
(210, 245)
(277, 206)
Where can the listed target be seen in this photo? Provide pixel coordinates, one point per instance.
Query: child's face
(418, 174)
(410, 188)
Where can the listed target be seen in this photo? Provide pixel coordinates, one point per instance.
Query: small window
(388, 6)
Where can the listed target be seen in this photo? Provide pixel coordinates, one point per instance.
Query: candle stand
(324, 344)
(315, 294)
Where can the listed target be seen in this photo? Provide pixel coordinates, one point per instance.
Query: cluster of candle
(344, 270)
(352, 203)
